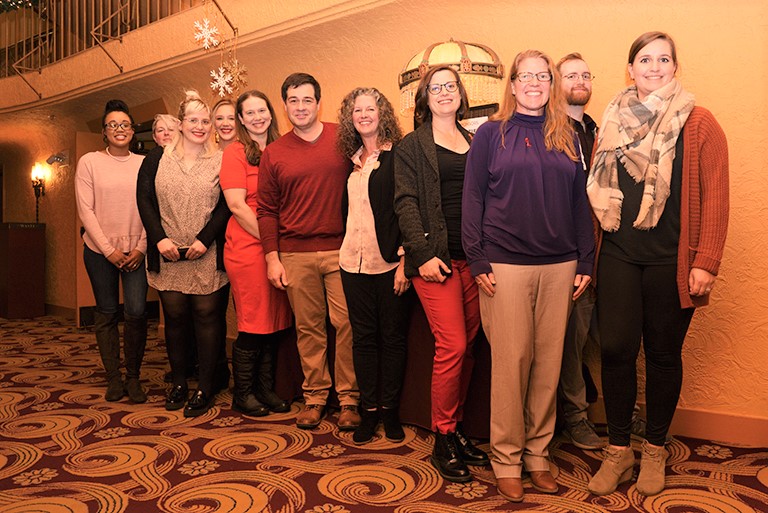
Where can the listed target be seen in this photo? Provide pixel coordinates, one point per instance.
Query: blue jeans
(105, 279)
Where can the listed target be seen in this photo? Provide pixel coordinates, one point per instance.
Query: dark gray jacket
(418, 203)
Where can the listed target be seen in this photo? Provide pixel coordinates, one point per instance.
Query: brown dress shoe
(310, 416)
(511, 488)
(349, 419)
(543, 481)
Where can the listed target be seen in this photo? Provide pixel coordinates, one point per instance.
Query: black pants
(640, 303)
(207, 313)
(379, 320)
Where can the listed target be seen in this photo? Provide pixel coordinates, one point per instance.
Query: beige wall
(722, 52)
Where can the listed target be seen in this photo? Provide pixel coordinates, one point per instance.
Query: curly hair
(558, 133)
(348, 139)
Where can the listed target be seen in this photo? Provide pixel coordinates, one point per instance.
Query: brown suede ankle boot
(616, 469)
(652, 465)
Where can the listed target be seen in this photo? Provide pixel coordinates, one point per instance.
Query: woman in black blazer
(371, 260)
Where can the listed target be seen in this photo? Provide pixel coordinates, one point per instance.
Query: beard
(578, 97)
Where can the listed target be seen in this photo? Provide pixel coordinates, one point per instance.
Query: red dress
(260, 307)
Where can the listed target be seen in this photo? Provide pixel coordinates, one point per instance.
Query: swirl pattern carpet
(64, 449)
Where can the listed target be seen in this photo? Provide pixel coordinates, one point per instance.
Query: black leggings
(207, 313)
(640, 303)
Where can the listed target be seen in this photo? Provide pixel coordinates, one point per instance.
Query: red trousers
(453, 312)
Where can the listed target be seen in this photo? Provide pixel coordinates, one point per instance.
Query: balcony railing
(47, 31)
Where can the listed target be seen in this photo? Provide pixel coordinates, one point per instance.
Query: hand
(401, 282)
(168, 250)
(275, 271)
(132, 261)
(116, 258)
(487, 283)
(580, 285)
(700, 282)
(430, 270)
(196, 250)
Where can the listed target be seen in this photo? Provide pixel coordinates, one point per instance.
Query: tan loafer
(543, 481)
(310, 416)
(511, 488)
(349, 419)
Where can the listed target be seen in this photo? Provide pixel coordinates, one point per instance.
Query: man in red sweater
(301, 181)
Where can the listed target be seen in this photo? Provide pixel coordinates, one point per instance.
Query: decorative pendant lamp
(480, 69)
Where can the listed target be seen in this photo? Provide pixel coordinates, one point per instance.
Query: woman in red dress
(262, 310)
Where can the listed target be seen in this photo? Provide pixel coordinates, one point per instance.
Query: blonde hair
(170, 121)
(558, 132)
(192, 103)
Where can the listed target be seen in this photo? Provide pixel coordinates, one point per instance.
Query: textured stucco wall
(722, 52)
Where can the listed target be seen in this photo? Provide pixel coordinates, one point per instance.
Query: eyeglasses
(586, 77)
(125, 125)
(544, 76)
(194, 121)
(435, 89)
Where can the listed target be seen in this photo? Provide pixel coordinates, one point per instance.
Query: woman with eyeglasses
(529, 241)
(659, 188)
(429, 174)
(223, 118)
(115, 244)
(262, 310)
(185, 216)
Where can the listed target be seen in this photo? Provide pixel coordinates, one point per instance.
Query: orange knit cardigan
(704, 201)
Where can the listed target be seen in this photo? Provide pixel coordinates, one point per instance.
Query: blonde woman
(185, 216)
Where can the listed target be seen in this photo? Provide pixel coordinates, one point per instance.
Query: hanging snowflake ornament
(221, 82)
(238, 73)
(206, 34)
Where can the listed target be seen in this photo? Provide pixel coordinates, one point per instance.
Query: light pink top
(105, 188)
(360, 251)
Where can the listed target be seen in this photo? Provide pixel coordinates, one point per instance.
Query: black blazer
(381, 193)
(149, 210)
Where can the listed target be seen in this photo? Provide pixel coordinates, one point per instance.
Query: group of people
(502, 229)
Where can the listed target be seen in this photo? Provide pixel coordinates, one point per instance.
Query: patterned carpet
(64, 449)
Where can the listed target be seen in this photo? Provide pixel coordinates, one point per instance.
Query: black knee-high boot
(244, 371)
(135, 342)
(108, 341)
(265, 380)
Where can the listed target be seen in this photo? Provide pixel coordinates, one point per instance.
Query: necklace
(119, 159)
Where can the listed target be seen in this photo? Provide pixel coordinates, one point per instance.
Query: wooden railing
(51, 30)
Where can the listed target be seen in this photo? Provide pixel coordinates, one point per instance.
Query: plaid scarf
(643, 136)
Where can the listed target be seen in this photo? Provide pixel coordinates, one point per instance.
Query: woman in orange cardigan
(659, 188)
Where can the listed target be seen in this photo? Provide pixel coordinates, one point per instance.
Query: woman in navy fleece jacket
(527, 234)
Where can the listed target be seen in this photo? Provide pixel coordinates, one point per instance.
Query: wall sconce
(40, 173)
(59, 158)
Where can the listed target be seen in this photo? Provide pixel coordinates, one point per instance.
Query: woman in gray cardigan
(429, 175)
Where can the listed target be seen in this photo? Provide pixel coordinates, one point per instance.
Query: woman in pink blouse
(114, 249)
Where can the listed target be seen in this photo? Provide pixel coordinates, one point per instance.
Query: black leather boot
(393, 430)
(135, 342)
(265, 380)
(243, 369)
(447, 460)
(469, 453)
(367, 429)
(108, 341)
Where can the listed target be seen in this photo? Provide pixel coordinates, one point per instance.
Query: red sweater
(300, 189)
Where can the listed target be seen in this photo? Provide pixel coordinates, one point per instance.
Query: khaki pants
(525, 324)
(314, 281)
